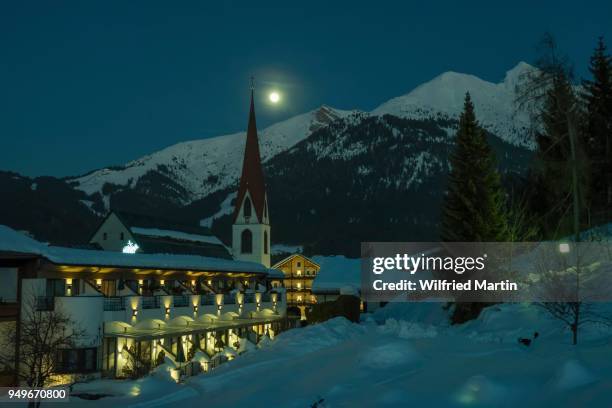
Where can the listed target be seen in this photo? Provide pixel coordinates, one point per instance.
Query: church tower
(251, 227)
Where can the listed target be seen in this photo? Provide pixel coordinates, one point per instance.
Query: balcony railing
(301, 276)
(229, 299)
(265, 297)
(249, 298)
(299, 288)
(151, 302)
(114, 303)
(207, 299)
(45, 303)
(181, 301)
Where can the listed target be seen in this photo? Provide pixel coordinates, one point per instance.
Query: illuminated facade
(299, 272)
(169, 299)
(141, 307)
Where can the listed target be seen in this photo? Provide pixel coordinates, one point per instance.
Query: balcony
(181, 301)
(301, 302)
(207, 299)
(298, 288)
(300, 276)
(151, 302)
(249, 298)
(229, 299)
(114, 303)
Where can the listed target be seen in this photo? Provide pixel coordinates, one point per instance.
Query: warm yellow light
(99, 282)
(274, 97)
(140, 281)
(68, 281)
(162, 282)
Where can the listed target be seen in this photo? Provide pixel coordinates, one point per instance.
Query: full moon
(274, 97)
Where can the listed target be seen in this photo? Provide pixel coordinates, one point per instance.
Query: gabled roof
(131, 220)
(163, 236)
(252, 178)
(162, 245)
(290, 257)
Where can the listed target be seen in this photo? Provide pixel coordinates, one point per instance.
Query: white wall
(113, 227)
(257, 228)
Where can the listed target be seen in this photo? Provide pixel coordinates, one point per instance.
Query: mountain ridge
(203, 166)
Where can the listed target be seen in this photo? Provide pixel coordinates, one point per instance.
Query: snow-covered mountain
(202, 167)
(205, 166)
(334, 177)
(443, 97)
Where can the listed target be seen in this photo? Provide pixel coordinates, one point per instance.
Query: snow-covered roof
(275, 273)
(183, 236)
(13, 241)
(282, 261)
(336, 272)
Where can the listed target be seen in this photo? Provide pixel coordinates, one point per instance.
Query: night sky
(89, 84)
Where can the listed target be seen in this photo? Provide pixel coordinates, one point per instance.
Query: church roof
(158, 235)
(252, 178)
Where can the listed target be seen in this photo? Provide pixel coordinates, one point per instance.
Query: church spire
(252, 178)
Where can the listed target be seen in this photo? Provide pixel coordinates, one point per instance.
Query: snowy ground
(403, 355)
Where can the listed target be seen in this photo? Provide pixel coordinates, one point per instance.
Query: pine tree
(554, 165)
(474, 207)
(597, 95)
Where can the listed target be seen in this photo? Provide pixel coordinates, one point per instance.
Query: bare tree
(41, 336)
(542, 91)
(565, 296)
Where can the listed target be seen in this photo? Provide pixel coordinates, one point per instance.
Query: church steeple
(251, 227)
(252, 178)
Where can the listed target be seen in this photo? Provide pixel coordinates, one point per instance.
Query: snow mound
(408, 330)
(478, 390)
(429, 313)
(165, 371)
(264, 342)
(573, 374)
(388, 355)
(318, 336)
